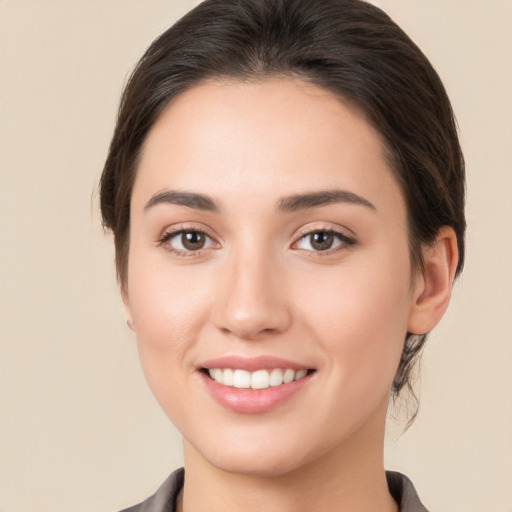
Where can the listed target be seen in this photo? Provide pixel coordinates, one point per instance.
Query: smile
(256, 384)
(259, 379)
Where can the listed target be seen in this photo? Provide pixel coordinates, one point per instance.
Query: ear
(433, 286)
(126, 301)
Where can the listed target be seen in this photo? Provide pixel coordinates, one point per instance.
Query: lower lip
(253, 401)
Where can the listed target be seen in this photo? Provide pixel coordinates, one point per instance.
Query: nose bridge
(252, 300)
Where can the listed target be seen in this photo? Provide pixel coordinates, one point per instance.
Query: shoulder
(404, 493)
(164, 499)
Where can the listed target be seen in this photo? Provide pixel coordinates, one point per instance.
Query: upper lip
(252, 364)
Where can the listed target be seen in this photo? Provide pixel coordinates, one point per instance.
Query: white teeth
(276, 377)
(300, 374)
(217, 375)
(260, 379)
(288, 376)
(241, 379)
(227, 378)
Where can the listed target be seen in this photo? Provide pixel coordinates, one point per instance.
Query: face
(269, 278)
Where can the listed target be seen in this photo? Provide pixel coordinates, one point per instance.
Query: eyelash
(344, 241)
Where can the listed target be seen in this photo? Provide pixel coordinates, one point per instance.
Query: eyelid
(186, 226)
(326, 227)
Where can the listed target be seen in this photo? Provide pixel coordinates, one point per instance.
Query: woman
(286, 191)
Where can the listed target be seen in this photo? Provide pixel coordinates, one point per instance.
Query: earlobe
(433, 287)
(126, 301)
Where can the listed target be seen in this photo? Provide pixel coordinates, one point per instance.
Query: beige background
(79, 430)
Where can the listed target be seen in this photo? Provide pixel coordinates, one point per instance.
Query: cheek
(164, 299)
(362, 323)
(168, 310)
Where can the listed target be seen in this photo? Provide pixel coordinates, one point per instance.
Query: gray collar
(164, 500)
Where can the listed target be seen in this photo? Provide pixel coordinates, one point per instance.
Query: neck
(350, 478)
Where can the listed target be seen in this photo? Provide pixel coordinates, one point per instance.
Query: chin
(256, 465)
(265, 457)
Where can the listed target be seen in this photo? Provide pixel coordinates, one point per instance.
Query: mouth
(259, 379)
(254, 385)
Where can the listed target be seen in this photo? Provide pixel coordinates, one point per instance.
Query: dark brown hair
(348, 47)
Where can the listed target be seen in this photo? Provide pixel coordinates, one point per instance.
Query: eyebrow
(190, 199)
(321, 198)
(286, 204)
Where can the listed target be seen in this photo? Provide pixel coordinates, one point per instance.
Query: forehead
(268, 137)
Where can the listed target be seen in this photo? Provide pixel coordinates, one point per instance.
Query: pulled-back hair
(348, 47)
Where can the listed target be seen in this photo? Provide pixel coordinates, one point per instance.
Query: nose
(253, 301)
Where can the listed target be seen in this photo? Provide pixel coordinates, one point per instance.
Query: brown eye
(193, 240)
(321, 241)
(187, 241)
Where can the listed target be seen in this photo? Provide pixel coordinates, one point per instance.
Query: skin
(258, 287)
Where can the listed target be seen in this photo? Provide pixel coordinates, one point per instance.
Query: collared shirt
(164, 500)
